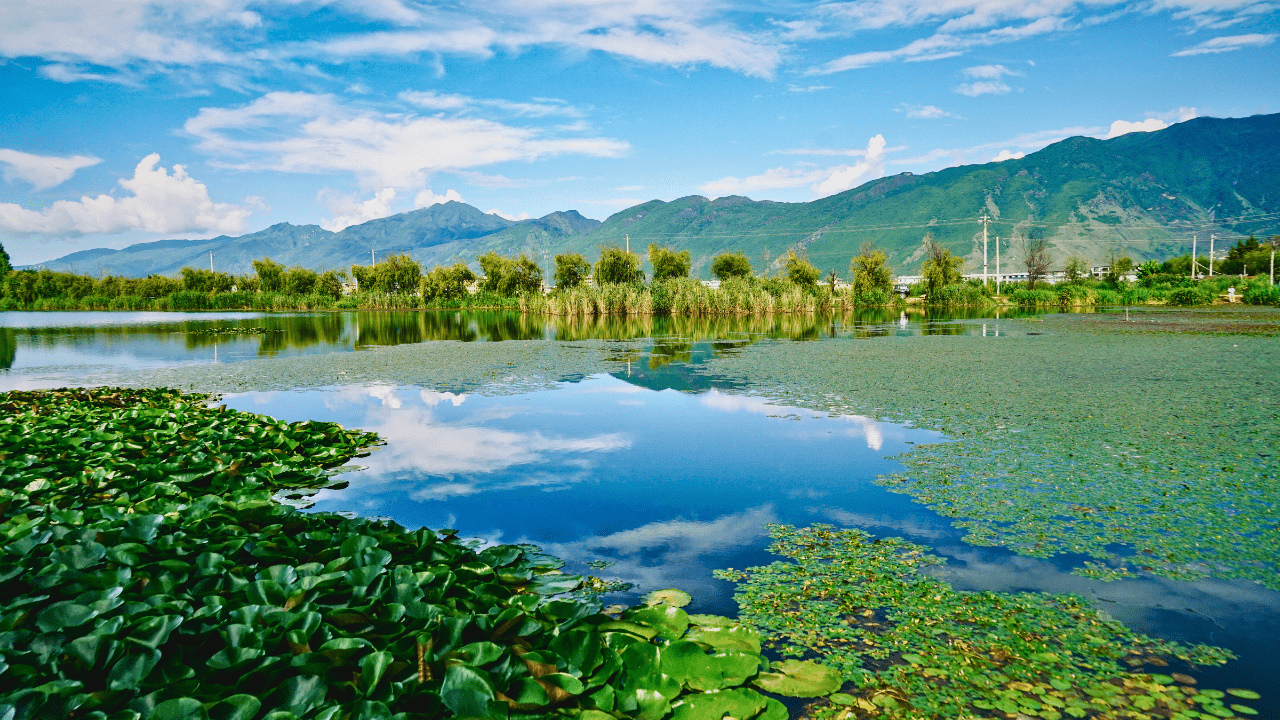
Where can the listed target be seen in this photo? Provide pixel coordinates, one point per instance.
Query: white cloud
(1124, 127)
(1228, 43)
(42, 171)
(1006, 155)
(508, 216)
(926, 112)
(159, 202)
(983, 87)
(1181, 114)
(807, 88)
(307, 133)
(426, 198)
(348, 211)
(822, 181)
(848, 176)
(943, 44)
(541, 107)
(989, 72)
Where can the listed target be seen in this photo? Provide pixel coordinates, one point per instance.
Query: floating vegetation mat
(1147, 452)
(147, 572)
(913, 647)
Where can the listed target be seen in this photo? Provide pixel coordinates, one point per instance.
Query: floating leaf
(671, 597)
(796, 678)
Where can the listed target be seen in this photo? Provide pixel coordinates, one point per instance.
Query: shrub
(730, 265)
(617, 266)
(800, 271)
(667, 263)
(571, 270)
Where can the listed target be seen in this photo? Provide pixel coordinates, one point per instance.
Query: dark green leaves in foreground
(147, 572)
(916, 648)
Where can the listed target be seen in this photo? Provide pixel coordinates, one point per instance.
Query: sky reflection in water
(670, 485)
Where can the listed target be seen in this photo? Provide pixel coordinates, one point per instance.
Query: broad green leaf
(61, 615)
(727, 638)
(467, 691)
(740, 703)
(670, 622)
(671, 597)
(236, 707)
(179, 709)
(372, 667)
(796, 678)
(129, 671)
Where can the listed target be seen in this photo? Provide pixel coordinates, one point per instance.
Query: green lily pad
(670, 596)
(738, 703)
(797, 678)
(727, 638)
(1242, 693)
(670, 622)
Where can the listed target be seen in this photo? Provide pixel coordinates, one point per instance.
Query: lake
(650, 451)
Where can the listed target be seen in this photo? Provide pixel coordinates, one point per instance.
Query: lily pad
(671, 597)
(800, 678)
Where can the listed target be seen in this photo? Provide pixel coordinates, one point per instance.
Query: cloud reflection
(674, 553)
(867, 428)
(443, 458)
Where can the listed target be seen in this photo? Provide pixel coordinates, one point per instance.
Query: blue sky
(126, 121)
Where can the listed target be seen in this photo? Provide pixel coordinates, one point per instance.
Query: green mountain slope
(1144, 195)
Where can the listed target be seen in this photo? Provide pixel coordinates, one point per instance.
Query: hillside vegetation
(1142, 195)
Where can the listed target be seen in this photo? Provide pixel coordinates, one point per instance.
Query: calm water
(652, 475)
(31, 340)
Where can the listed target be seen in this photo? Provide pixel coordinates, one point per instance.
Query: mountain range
(1142, 194)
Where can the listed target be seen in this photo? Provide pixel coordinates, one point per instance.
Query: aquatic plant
(148, 572)
(911, 646)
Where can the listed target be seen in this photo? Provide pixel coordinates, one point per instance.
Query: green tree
(495, 269)
(525, 277)
(730, 265)
(1118, 268)
(329, 284)
(270, 275)
(800, 271)
(617, 266)
(451, 283)
(299, 281)
(870, 272)
(1075, 269)
(397, 273)
(571, 270)
(668, 263)
(5, 265)
(940, 268)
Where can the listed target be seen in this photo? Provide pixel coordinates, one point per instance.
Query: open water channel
(643, 472)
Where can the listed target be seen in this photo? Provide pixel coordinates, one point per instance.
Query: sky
(126, 121)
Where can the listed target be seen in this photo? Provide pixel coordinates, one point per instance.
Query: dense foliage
(572, 270)
(730, 265)
(618, 267)
(667, 263)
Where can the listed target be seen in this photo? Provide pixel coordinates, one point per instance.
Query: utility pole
(211, 262)
(628, 244)
(997, 264)
(984, 220)
(546, 262)
(1193, 257)
(372, 259)
(1211, 239)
